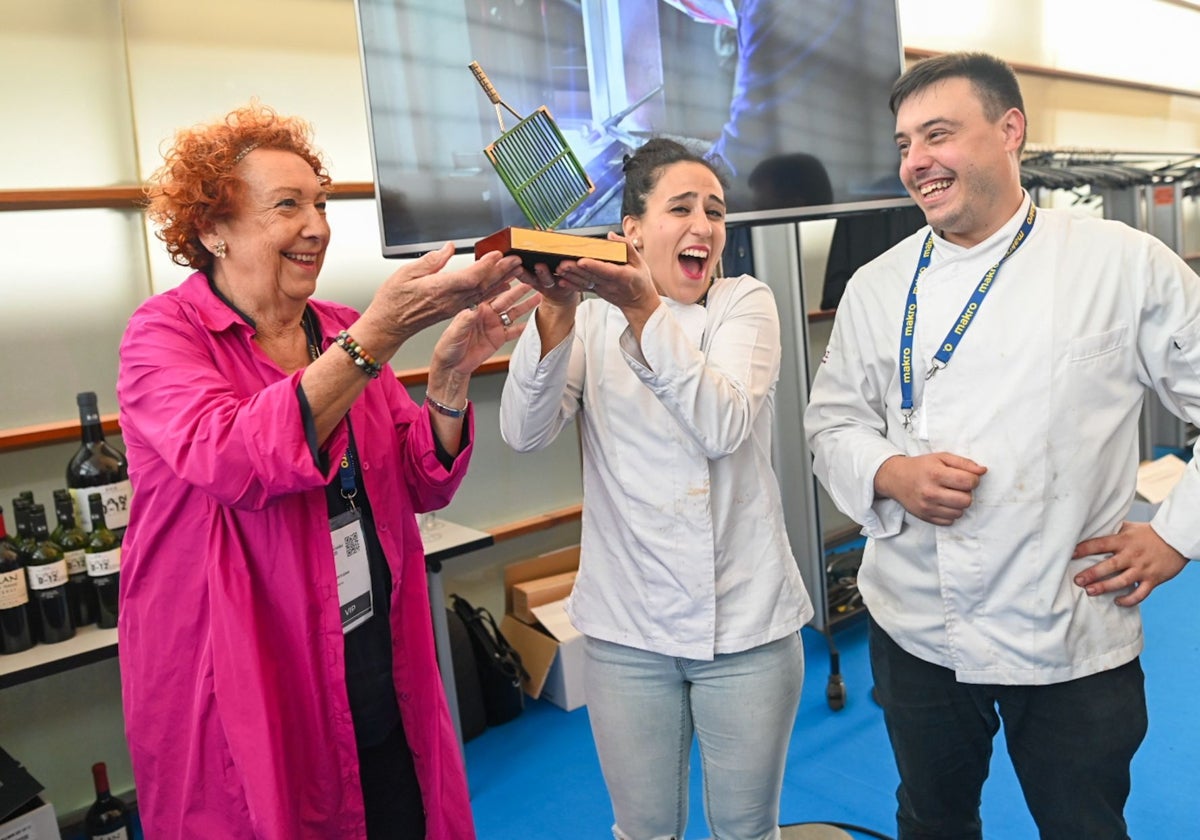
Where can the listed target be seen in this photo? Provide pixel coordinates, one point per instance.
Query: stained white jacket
(1045, 390)
(684, 551)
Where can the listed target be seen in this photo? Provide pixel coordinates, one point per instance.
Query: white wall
(93, 87)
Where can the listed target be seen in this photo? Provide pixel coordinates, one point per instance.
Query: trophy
(547, 181)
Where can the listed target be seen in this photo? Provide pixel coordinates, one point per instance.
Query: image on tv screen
(789, 97)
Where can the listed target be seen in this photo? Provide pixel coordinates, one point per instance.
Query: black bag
(496, 661)
(472, 720)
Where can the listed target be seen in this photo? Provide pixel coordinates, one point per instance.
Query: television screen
(789, 96)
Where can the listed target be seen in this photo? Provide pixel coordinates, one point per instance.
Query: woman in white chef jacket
(687, 592)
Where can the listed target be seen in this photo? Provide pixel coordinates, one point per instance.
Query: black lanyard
(347, 469)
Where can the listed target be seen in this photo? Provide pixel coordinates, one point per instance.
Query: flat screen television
(790, 96)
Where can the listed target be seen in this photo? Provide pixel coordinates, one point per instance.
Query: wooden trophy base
(550, 247)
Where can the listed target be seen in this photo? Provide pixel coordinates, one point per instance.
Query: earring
(219, 249)
(637, 244)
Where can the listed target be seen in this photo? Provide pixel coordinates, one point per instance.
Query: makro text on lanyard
(950, 342)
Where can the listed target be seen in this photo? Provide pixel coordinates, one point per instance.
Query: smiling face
(961, 168)
(277, 235)
(682, 231)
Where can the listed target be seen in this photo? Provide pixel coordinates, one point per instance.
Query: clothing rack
(1082, 170)
(1150, 191)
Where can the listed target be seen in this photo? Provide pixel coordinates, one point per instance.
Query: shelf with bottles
(89, 644)
(69, 614)
(54, 585)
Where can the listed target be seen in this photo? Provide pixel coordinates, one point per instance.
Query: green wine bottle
(46, 572)
(73, 540)
(103, 563)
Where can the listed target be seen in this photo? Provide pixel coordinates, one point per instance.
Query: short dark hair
(644, 167)
(993, 80)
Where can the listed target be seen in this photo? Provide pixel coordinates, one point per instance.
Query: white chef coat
(684, 550)
(1045, 390)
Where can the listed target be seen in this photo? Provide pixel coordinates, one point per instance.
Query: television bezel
(783, 215)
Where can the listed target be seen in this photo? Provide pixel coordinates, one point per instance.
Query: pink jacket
(231, 651)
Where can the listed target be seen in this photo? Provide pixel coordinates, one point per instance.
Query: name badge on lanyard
(350, 557)
(950, 343)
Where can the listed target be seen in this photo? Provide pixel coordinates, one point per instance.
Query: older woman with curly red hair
(277, 659)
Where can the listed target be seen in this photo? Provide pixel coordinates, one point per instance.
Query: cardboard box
(1155, 480)
(38, 824)
(534, 593)
(23, 813)
(551, 649)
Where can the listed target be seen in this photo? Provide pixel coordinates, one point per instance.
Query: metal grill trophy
(547, 181)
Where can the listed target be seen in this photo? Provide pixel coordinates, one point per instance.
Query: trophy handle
(485, 83)
(492, 95)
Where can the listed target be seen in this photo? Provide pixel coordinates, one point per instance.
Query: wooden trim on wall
(541, 522)
(916, 54)
(419, 376)
(125, 197)
(46, 434)
(1187, 4)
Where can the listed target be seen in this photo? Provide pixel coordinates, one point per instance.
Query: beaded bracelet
(365, 361)
(442, 408)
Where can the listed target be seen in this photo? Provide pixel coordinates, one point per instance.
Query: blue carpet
(537, 777)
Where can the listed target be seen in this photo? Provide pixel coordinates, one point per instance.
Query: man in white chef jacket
(977, 413)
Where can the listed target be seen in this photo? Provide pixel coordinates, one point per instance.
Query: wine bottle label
(119, 834)
(12, 589)
(76, 561)
(48, 576)
(103, 563)
(115, 498)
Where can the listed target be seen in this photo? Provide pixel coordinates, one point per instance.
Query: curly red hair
(196, 185)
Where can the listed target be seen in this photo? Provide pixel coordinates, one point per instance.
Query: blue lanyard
(950, 342)
(346, 475)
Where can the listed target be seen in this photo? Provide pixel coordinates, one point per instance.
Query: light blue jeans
(644, 708)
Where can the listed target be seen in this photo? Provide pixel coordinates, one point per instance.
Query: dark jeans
(1071, 745)
(391, 795)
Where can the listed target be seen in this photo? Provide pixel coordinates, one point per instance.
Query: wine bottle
(98, 467)
(108, 818)
(73, 540)
(103, 563)
(15, 633)
(20, 507)
(46, 571)
(23, 540)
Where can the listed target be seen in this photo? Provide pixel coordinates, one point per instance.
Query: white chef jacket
(1045, 390)
(684, 550)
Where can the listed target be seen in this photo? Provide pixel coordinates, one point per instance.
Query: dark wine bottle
(20, 507)
(23, 540)
(98, 467)
(108, 818)
(73, 540)
(103, 563)
(46, 572)
(15, 632)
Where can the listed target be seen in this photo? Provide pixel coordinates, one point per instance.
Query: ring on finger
(591, 285)
(505, 319)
